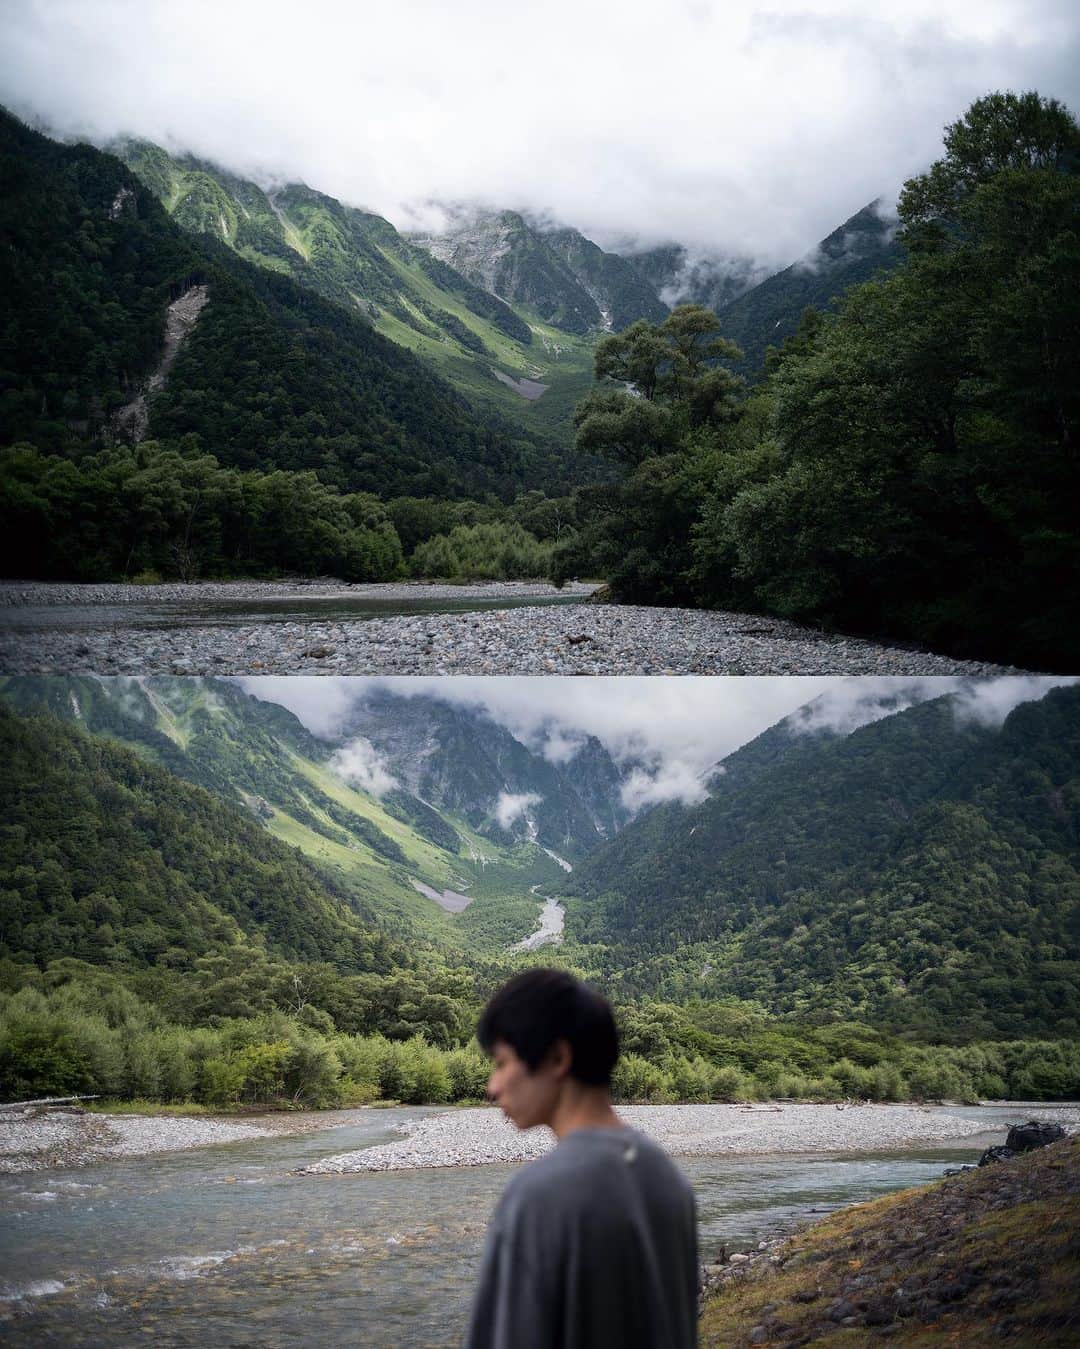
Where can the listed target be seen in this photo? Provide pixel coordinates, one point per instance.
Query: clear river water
(225, 1246)
(249, 612)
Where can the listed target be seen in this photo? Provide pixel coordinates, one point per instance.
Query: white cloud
(666, 732)
(360, 764)
(558, 745)
(752, 127)
(851, 703)
(321, 704)
(673, 781)
(990, 702)
(512, 806)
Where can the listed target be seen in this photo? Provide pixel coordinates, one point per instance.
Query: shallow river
(223, 1246)
(250, 612)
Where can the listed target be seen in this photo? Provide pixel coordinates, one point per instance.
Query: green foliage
(108, 858)
(908, 468)
(272, 375)
(170, 511)
(497, 551)
(921, 873)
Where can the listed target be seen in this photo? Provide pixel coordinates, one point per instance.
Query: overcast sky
(677, 727)
(746, 127)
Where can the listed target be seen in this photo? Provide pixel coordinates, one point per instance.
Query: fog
(665, 731)
(746, 128)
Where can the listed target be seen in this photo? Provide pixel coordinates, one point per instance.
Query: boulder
(1034, 1134)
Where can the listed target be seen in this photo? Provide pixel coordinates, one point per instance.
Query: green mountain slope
(769, 313)
(259, 759)
(472, 338)
(111, 859)
(556, 272)
(270, 375)
(922, 872)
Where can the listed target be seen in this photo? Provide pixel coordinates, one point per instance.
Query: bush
(637, 1080)
(494, 551)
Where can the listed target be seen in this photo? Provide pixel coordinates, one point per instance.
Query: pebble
(475, 1137)
(31, 1140)
(565, 639)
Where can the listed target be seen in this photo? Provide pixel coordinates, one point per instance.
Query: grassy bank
(987, 1255)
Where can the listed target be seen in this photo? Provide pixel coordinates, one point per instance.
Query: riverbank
(36, 1139)
(548, 632)
(32, 594)
(984, 1256)
(480, 1136)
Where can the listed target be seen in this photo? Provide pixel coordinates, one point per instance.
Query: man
(594, 1246)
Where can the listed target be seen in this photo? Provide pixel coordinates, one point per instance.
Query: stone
(1034, 1134)
(996, 1154)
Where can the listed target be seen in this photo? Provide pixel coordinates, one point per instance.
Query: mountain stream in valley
(226, 1245)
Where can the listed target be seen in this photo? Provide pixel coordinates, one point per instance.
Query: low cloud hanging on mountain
(743, 127)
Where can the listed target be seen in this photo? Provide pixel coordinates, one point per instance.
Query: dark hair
(538, 1007)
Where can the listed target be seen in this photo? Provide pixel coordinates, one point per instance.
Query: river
(224, 1245)
(250, 611)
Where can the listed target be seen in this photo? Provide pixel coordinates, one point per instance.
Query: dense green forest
(271, 376)
(159, 942)
(767, 315)
(922, 873)
(905, 468)
(908, 467)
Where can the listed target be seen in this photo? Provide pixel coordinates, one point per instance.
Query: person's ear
(561, 1058)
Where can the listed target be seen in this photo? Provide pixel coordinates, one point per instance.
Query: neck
(582, 1107)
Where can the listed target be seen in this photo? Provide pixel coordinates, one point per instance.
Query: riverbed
(228, 1244)
(498, 628)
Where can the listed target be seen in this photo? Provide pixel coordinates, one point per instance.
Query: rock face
(456, 759)
(180, 318)
(564, 277)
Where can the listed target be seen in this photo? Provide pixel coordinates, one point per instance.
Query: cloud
(360, 764)
(667, 782)
(321, 704)
(641, 721)
(667, 734)
(990, 701)
(748, 128)
(511, 806)
(851, 703)
(559, 745)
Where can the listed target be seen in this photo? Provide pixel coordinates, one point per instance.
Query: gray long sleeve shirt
(593, 1245)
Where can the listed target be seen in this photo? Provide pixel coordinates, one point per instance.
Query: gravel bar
(33, 1139)
(36, 593)
(481, 1136)
(565, 639)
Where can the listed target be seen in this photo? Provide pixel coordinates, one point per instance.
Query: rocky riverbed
(477, 1137)
(33, 1138)
(533, 638)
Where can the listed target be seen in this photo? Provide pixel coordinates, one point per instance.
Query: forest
(908, 465)
(158, 943)
(904, 467)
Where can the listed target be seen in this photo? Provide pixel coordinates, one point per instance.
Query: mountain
(768, 313)
(459, 760)
(921, 872)
(498, 356)
(408, 863)
(680, 275)
(412, 805)
(553, 270)
(110, 305)
(111, 859)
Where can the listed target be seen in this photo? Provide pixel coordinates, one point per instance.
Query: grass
(143, 1107)
(991, 1254)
